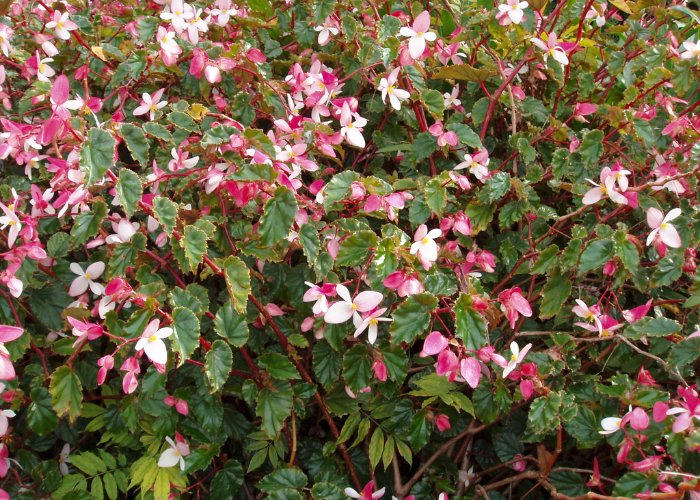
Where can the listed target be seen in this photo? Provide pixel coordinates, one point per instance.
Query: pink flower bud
(130, 383)
(434, 344)
(380, 370)
(609, 268)
(519, 466)
(639, 420)
(526, 388)
(254, 55)
(307, 324)
(659, 412)
(529, 370)
(169, 400)
(357, 191)
(182, 407)
(442, 422)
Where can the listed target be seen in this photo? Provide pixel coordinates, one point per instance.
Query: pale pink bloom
(7, 334)
(326, 30)
(388, 87)
(352, 130)
(610, 425)
(516, 357)
(444, 138)
(175, 454)
(151, 342)
(620, 175)
(10, 219)
(130, 382)
(105, 363)
(178, 15)
(605, 326)
(552, 49)
(470, 370)
(590, 314)
(289, 153)
(434, 344)
(425, 246)
(598, 14)
(195, 25)
(61, 23)
(167, 41)
(477, 164)
(451, 100)
(85, 279)
(690, 409)
(371, 321)
(366, 492)
(607, 188)
(318, 295)
(514, 10)
(340, 312)
(44, 71)
(661, 228)
(692, 50)
(405, 284)
(418, 35)
(513, 303)
(150, 104)
(5, 36)
(124, 231)
(63, 459)
(181, 160)
(83, 329)
(223, 12)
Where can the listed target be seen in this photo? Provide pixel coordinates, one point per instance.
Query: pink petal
(471, 371)
(366, 301)
(339, 312)
(526, 388)
(434, 344)
(7, 371)
(10, 333)
(422, 22)
(60, 89)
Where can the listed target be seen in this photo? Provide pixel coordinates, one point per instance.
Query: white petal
(169, 458)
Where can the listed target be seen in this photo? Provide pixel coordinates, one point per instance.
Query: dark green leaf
(97, 155)
(231, 325)
(278, 217)
(274, 405)
(412, 317)
(129, 190)
(218, 364)
(87, 223)
(185, 333)
(67, 393)
(136, 142)
(471, 327)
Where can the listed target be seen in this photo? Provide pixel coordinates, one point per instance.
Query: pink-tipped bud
(442, 423)
(380, 370)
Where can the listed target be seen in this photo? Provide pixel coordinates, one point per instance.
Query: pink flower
(380, 370)
(405, 284)
(513, 303)
(516, 357)
(150, 104)
(477, 164)
(637, 313)
(366, 492)
(442, 423)
(444, 138)
(607, 188)
(318, 294)
(388, 87)
(447, 364)
(105, 363)
(371, 322)
(661, 229)
(583, 109)
(7, 334)
(341, 311)
(590, 314)
(470, 370)
(180, 404)
(514, 10)
(132, 367)
(660, 411)
(83, 329)
(527, 387)
(434, 344)
(552, 49)
(418, 35)
(352, 130)
(638, 419)
(519, 466)
(326, 30)
(690, 408)
(425, 246)
(61, 23)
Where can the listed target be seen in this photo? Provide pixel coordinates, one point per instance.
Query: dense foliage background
(339, 249)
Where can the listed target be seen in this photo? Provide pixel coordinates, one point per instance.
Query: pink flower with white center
(168, 46)
(180, 160)
(590, 314)
(175, 454)
(552, 49)
(477, 164)
(124, 231)
(85, 330)
(352, 130)
(388, 87)
(326, 30)
(223, 12)
(692, 50)
(451, 100)
(690, 409)
(516, 357)
(10, 219)
(7, 334)
(318, 295)
(620, 174)
(195, 25)
(594, 195)
(5, 35)
(44, 71)
(599, 13)
(290, 152)
(425, 246)
(150, 104)
(151, 342)
(61, 24)
(405, 284)
(513, 303)
(418, 35)
(514, 10)
(605, 326)
(178, 15)
(444, 138)
(371, 322)
(637, 313)
(85, 279)
(340, 312)
(662, 229)
(366, 492)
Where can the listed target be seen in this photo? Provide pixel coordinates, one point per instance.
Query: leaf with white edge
(412, 317)
(278, 218)
(424, 145)
(185, 333)
(512, 212)
(310, 242)
(278, 366)
(183, 121)
(670, 268)
(231, 325)
(629, 255)
(166, 213)
(97, 155)
(555, 293)
(435, 196)
(146, 28)
(480, 216)
(463, 72)
(87, 224)
(130, 190)
(546, 261)
(237, 282)
(158, 131)
(353, 249)
(633, 483)
(357, 368)
(471, 326)
(652, 327)
(194, 242)
(67, 393)
(219, 362)
(274, 406)
(544, 411)
(136, 142)
(433, 100)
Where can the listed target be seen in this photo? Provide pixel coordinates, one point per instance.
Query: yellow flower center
(60, 26)
(153, 107)
(474, 165)
(177, 453)
(88, 275)
(425, 240)
(42, 68)
(420, 33)
(513, 357)
(12, 223)
(321, 85)
(607, 333)
(351, 125)
(354, 307)
(178, 13)
(373, 322)
(664, 226)
(590, 317)
(390, 89)
(152, 338)
(11, 206)
(514, 7)
(165, 39)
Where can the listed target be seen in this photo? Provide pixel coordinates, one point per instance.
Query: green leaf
(88, 462)
(146, 27)
(433, 100)
(227, 482)
(218, 135)
(353, 249)
(652, 327)
(433, 385)
(338, 187)
(219, 362)
(546, 260)
(435, 196)
(357, 369)
(596, 254)
(87, 223)
(183, 121)
(396, 363)
(125, 254)
(471, 327)
(463, 72)
(571, 254)
(67, 393)
(376, 447)
(310, 242)
(110, 486)
(684, 352)
(322, 9)
(628, 254)
(412, 317)
(194, 242)
(274, 405)
(260, 6)
(480, 216)
(668, 271)
(58, 245)
(507, 445)
(40, 416)
(97, 155)
(544, 413)
(567, 483)
(327, 363)
(231, 325)
(554, 294)
(419, 433)
(633, 483)
(512, 212)
(278, 366)
(185, 333)
(584, 427)
(129, 190)
(166, 213)
(424, 145)
(158, 131)
(291, 478)
(466, 135)
(278, 218)
(237, 282)
(591, 148)
(495, 188)
(136, 142)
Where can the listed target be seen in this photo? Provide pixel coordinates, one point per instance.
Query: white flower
(660, 224)
(350, 129)
(451, 100)
(691, 50)
(388, 87)
(418, 35)
(371, 321)
(326, 30)
(514, 10)
(11, 219)
(516, 357)
(424, 243)
(85, 279)
(176, 453)
(4, 423)
(44, 72)
(63, 459)
(552, 49)
(151, 342)
(177, 16)
(125, 230)
(348, 308)
(610, 425)
(150, 104)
